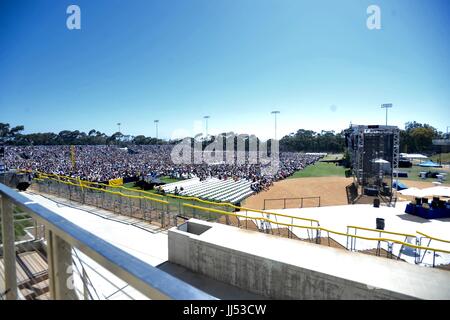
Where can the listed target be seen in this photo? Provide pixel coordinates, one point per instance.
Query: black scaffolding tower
(374, 157)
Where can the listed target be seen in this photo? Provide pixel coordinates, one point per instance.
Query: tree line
(415, 137)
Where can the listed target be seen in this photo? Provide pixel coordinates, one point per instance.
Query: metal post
(130, 202)
(9, 251)
(85, 286)
(59, 254)
(206, 118)
(156, 127)
(386, 106)
(246, 218)
(275, 114)
(35, 231)
(386, 115)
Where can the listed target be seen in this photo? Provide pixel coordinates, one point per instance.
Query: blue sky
(176, 61)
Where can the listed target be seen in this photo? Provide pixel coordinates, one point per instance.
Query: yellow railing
(262, 218)
(109, 191)
(85, 182)
(432, 238)
(382, 231)
(82, 184)
(321, 229)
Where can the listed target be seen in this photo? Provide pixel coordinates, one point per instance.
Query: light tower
(206, 119)
(275, 112)
(386, 106)
(156, 128)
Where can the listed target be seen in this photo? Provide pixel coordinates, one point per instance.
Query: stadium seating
(170, 187)
(214, 189)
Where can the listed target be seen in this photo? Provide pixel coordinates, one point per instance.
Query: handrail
(317, 228)
(432, 238)
(149, 280)
(111, 192)
(383, 231)
(83, 182)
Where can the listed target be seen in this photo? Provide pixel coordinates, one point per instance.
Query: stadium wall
(286, 269)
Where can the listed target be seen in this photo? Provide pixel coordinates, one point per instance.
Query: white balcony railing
(62, 238)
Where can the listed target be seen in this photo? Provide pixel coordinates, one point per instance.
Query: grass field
(444, 158)
(130, 185)
(413, 173)
(333, 156)
(21, 221)
(168, 179)
(320, 169)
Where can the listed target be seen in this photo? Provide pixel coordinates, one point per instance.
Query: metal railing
(62, 236)
(314, 233)
(290, 199)
(423, 236)
(164, 209)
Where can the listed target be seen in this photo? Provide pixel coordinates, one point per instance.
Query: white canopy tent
(433, 191)
(381, 161)
(413, 156)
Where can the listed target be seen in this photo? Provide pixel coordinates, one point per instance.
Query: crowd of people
(103, 163)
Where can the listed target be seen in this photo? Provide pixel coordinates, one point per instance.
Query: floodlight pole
(386, 106)
(275, 114)
(206, 118)
(156, 128)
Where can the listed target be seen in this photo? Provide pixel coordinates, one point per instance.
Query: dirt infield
(331, 191)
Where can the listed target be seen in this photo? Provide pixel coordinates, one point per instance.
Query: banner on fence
(116, 182)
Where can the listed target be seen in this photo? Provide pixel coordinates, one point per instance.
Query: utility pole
(386, 106)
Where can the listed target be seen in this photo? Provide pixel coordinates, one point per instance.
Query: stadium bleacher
(214, 189)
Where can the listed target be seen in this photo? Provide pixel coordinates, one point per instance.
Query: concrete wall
(273, 278)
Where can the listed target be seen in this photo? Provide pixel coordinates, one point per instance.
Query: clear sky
(176, 61)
